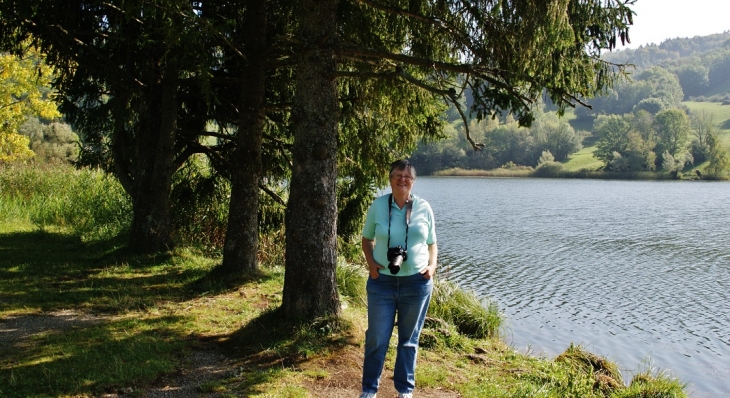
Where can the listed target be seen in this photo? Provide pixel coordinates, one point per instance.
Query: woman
(398, 226)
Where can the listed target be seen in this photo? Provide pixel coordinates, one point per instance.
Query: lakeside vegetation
(62, 252)
(671, 115)
(584, 163)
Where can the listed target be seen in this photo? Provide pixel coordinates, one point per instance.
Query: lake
(635, 271)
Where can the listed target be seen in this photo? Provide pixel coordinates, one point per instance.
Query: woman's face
(401, 181)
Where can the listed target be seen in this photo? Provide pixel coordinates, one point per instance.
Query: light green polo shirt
(421, 233)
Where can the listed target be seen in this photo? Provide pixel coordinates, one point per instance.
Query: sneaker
(368, 395)
(405, 395)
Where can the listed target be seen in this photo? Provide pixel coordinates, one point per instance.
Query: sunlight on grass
(583, 160)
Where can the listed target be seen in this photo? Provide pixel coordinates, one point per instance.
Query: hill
(701, 63)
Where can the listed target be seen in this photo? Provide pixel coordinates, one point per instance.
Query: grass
(721, 113)
(583, 160)
(90, 203)
(142, 318)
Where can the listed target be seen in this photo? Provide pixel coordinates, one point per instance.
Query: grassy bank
(106, 322)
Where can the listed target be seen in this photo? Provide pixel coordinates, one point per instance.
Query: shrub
(549, 169)
(200, 205)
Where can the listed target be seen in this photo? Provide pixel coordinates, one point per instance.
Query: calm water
(636, 271)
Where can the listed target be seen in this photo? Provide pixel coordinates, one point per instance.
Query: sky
(658, 20)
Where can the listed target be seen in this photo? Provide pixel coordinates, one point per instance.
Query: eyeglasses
(401, 177)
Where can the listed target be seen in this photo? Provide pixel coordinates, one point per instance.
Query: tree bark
(152, 168)
(241, 246)
(310, 287)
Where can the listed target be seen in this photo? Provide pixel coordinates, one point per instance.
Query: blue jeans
(408, 297)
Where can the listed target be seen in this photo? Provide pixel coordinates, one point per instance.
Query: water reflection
(631, 269)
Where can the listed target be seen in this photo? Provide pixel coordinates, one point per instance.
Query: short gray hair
(403, 164)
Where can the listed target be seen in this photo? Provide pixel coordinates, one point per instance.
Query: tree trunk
(310, 287)
(241, 246)
(151, 229)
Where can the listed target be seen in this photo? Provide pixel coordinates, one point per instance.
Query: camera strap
(409, 207)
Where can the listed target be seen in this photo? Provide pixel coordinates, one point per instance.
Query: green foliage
(672, 129)
(625, 143)
(719, 159)
(549, 169)
(719, 72)
(693, 77)
(606, 373)
(51, 143)
(702, 126)
(653, 90)
(546, 157)
(200, 204)
(505, 142)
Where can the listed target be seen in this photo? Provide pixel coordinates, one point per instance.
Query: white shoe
(405, 395)
(368, 395)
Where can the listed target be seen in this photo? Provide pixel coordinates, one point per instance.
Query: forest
(669, 114)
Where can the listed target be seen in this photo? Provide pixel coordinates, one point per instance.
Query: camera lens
(394, 265)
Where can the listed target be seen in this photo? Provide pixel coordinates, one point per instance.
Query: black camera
(396, 256)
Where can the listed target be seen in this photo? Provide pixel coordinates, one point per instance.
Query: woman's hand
(433, 254)
(367, 249)
(429, 272)
(374, 269)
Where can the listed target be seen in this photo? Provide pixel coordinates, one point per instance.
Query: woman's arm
(433, 253)
(367, 249)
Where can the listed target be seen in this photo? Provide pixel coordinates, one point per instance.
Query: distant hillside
(701, 63)
(670, 50)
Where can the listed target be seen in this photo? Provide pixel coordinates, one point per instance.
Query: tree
(151, 74)
(53, 142)
(625, 143)
(672, 128)
(241, 246)
(719, 72)
(719, 160)
(693, 78)
(556, 136)
(508, 53)
(310, 286)
(665, 85)
(24, 83)
(702, 126)
(130, 79)
(613, 137)
(653, 90)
